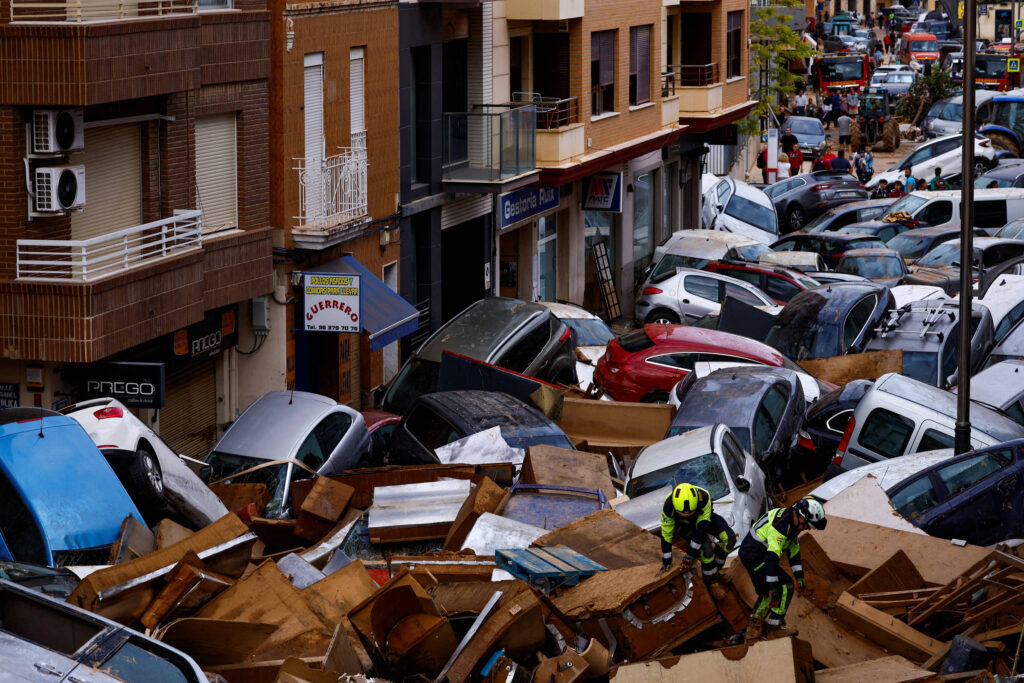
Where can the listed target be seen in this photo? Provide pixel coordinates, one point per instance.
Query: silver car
(285, 436)
(899, 83)
(688, 295)
(949, 121)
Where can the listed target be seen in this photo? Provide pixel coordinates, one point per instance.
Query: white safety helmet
(812, 510)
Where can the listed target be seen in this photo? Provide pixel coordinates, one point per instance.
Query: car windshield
(910, 246)
(952, 112)
(762, 217)
(589, 332)
(872, 267)
(223, 466)
(944, 255)
(936, 109)
(806, 127)
(418, 377)
(990, 68)
(849, 70)
(921, 365)
(749, 252)
(900, 78)
(1014, 230)
(704, 471)
(924, 46)
(800, 333)
(909, 203)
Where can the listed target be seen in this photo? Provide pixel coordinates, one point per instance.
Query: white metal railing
(335, 193)
(81, 11)
(81, 260)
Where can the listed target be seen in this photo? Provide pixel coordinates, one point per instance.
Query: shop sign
(137, 385)
(331, 302)
(218, 330)
(603, 192)
(10, 395)
(526, 203)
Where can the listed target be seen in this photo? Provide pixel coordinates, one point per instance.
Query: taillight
(984, 143)
(803, 440)
(650, 290)
(104, 413)
(844, 442)
(566, 336)
(819, 188)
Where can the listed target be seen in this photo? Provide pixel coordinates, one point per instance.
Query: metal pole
(962, 440)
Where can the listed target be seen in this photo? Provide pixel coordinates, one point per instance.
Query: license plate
(846, 194)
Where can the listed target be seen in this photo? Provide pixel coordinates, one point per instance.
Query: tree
(923, 93)
(773, 44)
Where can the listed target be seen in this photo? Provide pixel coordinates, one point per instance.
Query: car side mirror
(719, 208)
(742, 484)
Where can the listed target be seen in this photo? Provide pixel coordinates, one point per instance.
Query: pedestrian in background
(843, 123)
(909, 182)
(796, 160)
(841, 163)
(881, 190)
(897, 190)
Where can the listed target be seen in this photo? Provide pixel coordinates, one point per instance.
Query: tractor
(1004, 125)
(875, 125)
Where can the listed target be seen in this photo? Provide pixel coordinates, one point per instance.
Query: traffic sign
(1019, 23)
(960, 11)
(1013, 65)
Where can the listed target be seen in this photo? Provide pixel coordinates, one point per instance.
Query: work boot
(780, 631)
(755, 629)
(717, 590)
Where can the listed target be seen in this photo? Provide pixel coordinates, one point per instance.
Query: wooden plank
(135, 541)
(609, 423)
(563, 467)
(895, 574)
(237, 496)
(606, 538)
(785, 660)
(886, 630)
(327, 500)
(168, 532)
(954, 589)
(258, 672)
(1002, 632)
(894, 669)
(484, 497)
(214, 642)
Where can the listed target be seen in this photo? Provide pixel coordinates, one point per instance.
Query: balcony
(669, 100)
(81, 11)
(491, 149)
(544, 10)
(560, 135)
(698, 86)
(332, 196)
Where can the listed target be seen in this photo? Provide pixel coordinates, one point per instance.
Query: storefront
(530, 221)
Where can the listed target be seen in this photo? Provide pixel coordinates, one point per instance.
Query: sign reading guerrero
(331, 302)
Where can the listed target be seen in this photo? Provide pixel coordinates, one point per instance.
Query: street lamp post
(962, 439)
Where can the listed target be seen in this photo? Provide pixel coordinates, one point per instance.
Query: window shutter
(313, 115)
(217, 171)
(607, 57)
(633, 57)
(113, 181)
(356, 89)
(643, 64)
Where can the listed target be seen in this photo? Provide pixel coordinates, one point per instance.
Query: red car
(781, 284)
(644, 365)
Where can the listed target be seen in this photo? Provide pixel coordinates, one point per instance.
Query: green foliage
(924, 92)
(772, 45)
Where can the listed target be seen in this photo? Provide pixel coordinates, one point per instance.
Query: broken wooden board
(894, 669)
(563, 467)
(468, 597)
(484, 497)
(258, 672)
(346, 653)
(188, 586)
(237, 496)
(857, 548)
(134, 541)
(294, 670)
(897, 573)
(867, 502)
(842, 369)
(786, 660)
(168, 532)
(607, 538)
(609, 424)
(214, 642)
(364, 481)
(123, 591)
(326, 501)
(567, 667)
(893, 634)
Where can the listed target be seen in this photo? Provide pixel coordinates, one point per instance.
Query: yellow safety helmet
(684, 499)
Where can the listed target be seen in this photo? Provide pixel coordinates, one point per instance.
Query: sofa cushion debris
(785, 660)
(416, 512)
(492, 532)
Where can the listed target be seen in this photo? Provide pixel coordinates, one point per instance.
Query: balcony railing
(333, 192)
(690, 75)
(494, 142)
(83, 260)
(81, 11)
(552, 112)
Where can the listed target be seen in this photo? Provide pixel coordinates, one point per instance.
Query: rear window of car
(915, 499)
(526, 350)
(960, 476)
(886, 433)
(634, 341)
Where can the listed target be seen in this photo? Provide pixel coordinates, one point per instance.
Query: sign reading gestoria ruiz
(331, 302)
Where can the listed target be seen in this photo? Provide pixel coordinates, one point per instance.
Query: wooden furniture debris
(321, 508)
(135, 541)
(786, 660)
(213, 642)
(484, 497)
(886, 630)
(607, 538)
(894, 669)
(842, 369)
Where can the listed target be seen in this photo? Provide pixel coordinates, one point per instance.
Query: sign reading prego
(137, 385)
(331, 302)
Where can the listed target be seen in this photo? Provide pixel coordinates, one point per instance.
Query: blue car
(976, 496)
(60, 502)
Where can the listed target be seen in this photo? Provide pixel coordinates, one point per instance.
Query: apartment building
(334, 192)
(134, 214)
(536, 132)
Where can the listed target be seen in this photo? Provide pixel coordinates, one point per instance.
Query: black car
(846, 214)
(976, 496)
(913, 244)
(763, 406)
(831, 245)
(825, 421)
(434, 420)
(940, 267)
(879, 229)
(830, 320)
(802, 197)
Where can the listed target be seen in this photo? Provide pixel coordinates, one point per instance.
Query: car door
(856, 322)
(938, 212)
(698, 296)
(526, 348)
(767, 419)
(947, 155)
(748, 294)
(749, 504)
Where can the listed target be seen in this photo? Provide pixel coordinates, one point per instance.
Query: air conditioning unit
(59, 187)
(57, 130)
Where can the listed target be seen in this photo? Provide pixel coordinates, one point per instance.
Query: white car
(709, 457)
(735, 206)
(944, 153)
(888, 472)
(590, 336)
(1005, 300)
(689, 294)
(151, 472)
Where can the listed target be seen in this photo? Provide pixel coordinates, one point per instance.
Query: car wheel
(796, 218)
(981, 166)
(655, 397)
(145, 479)
(661, 316)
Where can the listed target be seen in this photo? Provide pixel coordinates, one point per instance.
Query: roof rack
(933, 314)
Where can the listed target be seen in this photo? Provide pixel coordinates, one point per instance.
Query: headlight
(821, 145)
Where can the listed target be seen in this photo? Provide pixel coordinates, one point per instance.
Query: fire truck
(842, 70)
(990, 71)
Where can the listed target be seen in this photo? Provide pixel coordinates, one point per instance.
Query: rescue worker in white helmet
(761, 552)
(688, 515)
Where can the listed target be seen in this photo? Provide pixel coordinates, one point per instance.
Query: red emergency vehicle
(842, 69)
(991, 74)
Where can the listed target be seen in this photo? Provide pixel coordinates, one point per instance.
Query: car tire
(891, 135)
(796, 218)
(655, 397)
(146, 481)
(661, 316)
(855, 135)
(1004, 142)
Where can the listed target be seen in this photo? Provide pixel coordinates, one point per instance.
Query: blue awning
(386, 316)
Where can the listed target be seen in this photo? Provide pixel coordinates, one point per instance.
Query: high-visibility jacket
(695, 527)
(776, 533)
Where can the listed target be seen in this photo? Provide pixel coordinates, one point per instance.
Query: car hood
(645, 510)
(813, 140)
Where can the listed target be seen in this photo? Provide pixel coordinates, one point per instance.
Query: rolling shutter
(465, 209)
(602, 49)
(313, 115)
(113, 181)
(217, 171)
(356, 89)
(188, 420)
(640, 61)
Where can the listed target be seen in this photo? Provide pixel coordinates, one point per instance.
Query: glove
(665, 566)
(800, 588)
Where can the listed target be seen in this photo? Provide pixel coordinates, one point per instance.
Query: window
(916, 498)
(990, 214)
(769, 416)
(933, 440)
(547, 258)
(526, 349)
(215, 4)
(310, 454)
(430, 429)
(682, 361)
(781, 288)
(704, 287)
(856, 320)
(750, 276)
(1015, 412)
(745, 295)
(313, 134)
(639, 64)
(331, 430)
(785, 245)
(734, 44)
(133, 661)
(733, 453)
(962, 475)
(886, 433)
(356, 89)
(944, 146)
(602, 72)
(937, 213)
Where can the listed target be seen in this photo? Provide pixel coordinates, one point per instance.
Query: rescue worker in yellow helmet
(761, 552)
(688, 515)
